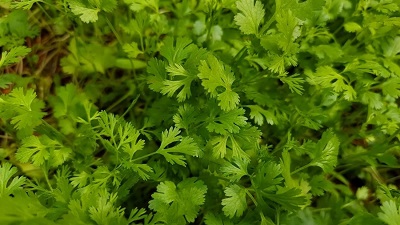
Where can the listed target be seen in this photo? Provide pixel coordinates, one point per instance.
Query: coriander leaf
(219, 146)
(390, 213)
(136, 214)
(308, 10)
(327, 150)
(104, 210)
(237, 151)
(132, 50)
(142, 170)
(21, 121)
(291, 199)
(391, 87)
(235, 203)
(287, 24)
(23, 99)
(7, 171)
(24, 4)
(352, 27)
(268, 175)
(179, 202)
(327, 77)
(258, 114)
(295, 83)
(13, 56)
(80, 180)
(228, 122)
(374, 100)
(214, 76)
(186, 146)
(87, 14)
(171, 86)
(215, 219)
(158, 74)
(319, 184)
(176, 51)
(236, 170)
(250, 16)
(40, 149)
(138, 5)
(392, 48)
(122, 135)
(186, 116)
(23, 207)
(33, 149)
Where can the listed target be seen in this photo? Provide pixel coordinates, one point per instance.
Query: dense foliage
(208, 112)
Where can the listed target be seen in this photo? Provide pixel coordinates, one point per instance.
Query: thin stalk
(143, 157)
(251, 197)
(300, 169)
(47, 179)
(114, 31)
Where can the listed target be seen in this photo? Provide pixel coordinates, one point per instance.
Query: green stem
(251, 197)
(114, 31)
(119, 101)
(272, 19)
(300, 169)
(44, 11)
(47, 179)
(143, 157)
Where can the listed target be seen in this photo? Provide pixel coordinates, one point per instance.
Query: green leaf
(392, 48)
(176, 51)
(235, 203)
(327, 150)
(18, 97)
(33, 150)
(319, 184)
(186, 146)
(327, 77)
(138, 5)
(295, 83)
(268, 175)
(177, 71)
(287, 24)
(7, 171)
(236, 170)
(158, 74)
(13, 56)
(86, 13)
(250, 16)
(228, 122)
(136, 214)
(291, 199)
(352, 27)
(215, 219)
(122, 134)
(24, 4)
(391, 87)
(390, 213)
(179, 202)
(217, 79)
(132, 50)
(374, 100)
(186, 116)
(219, 146)
(258, 114)
(23, 207)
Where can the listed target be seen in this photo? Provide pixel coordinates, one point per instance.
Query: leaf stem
(114, 31)
(301, 168)
(145, 156)
(47, 179)
(251, 197)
